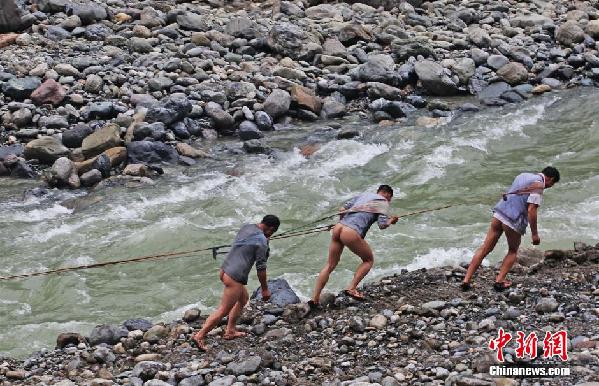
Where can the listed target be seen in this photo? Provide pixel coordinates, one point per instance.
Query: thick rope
(171, 255)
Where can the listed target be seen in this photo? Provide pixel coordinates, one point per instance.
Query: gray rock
(96, 32)
(263, 121)
(248, 130)
(223, 121)
(88, 12)
(194, 380)
(74, 137)
(146, 370)
(61, 174)
(140, 45)
(108, 334)
(11, 150)
(378, 68)
(277, 104)
(170, 109)
(479, 36)
(494, 90)
(569, 33)
(20, 88)
(103, 139)
(332, 108)
(513, 73)
(93, 84)
(434, 79)
(464, 68)
(193, 22)
(404, 48)
(281, 293)
(531, 20)
(53, 122)
(90, 178)
(101, 110)
(291, 40)
(356, 324)
(104, 355)
(150, 152)
(435, 304)
(57, 33)
(52, 6)
(242, 27)
(497, 61)
(102, 164)
(224, 381)
(45, 149)
(546, 305)
(143, 130)
(255, 146)
(246, 366)
(156, 382)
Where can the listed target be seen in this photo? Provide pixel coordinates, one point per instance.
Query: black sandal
(502, 286)
(466, 287)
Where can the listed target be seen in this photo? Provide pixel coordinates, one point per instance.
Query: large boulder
(105, 138)
(46, 150)
(49, 92)
(513, 73)
(291, 40)
(108, 334)
(149, 152)
(569, 33)
(281, 293)
(277, 104)
(434, 79)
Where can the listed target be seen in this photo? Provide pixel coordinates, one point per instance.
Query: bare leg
(360, 247)
(335, 250)
(513, 242)
(231, 331)
(232, 293)
(493, 235)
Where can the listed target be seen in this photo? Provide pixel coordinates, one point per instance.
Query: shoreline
(406, 332)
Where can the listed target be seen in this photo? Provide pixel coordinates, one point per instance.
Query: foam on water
(436, 163)
(36, 215)
(178, 313)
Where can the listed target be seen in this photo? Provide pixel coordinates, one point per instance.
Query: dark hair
(385, 189)
(271, 221)
(552, 172)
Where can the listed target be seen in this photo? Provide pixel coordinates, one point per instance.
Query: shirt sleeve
(350, 203)
(262, 251)
(535, 198)
(382, 221)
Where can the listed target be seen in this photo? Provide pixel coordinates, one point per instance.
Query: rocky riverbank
(415, 328)
(96, 90)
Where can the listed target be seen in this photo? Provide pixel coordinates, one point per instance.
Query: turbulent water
(467, 162)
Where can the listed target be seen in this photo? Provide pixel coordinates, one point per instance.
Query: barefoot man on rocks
(357, 215)
(250, 246)
(512, 214)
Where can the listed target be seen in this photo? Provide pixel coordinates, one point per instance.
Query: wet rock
(277, 104)
(70, 338)
(223, 121)
(281, 292)
(305, 98)
(191, 315)
(49, 92)
(150, 152)
(263, 121)
(170, 110)
(90, 178)
(248, 130)
(137, 170)
(143, 130)
(378, 68)
(156, 333)
(45, 149)
(103, 139)
(64, 174)
(333, 108)
(108, 334)
(14, 150)
(102, 164)
(189, 151)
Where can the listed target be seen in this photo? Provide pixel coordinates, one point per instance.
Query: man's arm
(261, 258)
(385, 221)
(346, 207)
(532, 220)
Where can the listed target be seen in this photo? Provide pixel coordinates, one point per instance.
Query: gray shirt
(362, 221)
(250, 246)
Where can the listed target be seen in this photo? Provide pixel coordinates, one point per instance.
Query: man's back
(250, 246)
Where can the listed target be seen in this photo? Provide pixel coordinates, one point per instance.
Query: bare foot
(353, 293)
(200, 343)
(234, 335)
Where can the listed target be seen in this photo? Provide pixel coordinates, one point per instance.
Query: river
(467, 162)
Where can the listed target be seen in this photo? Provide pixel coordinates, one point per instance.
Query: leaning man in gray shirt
(250, 246)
